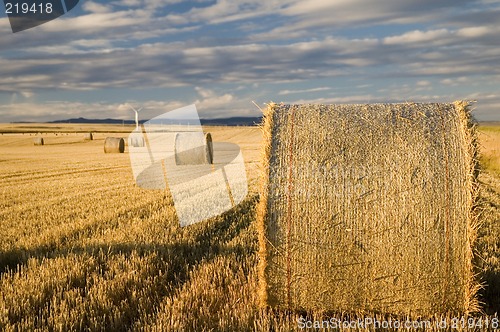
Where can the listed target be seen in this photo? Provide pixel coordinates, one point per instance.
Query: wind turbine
(136, 115)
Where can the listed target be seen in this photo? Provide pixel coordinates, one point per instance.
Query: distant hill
(99, 121)
(234, 121)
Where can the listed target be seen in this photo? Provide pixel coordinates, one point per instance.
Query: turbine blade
(132, 107)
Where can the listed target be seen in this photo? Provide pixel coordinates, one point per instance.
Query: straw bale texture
(88, 137)
(368, 208)
(114, 145)
(193, 148)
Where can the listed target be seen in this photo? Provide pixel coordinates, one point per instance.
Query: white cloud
(96, 22)
(225, 105)
(214, 103)
(474, 32)
(204, 93)
(62, 110)
(137, 44)
(418, 36)
(330, 15)
(351, 99)
(454, 81)
(289, 92)
(94, 7)
(128, 3)
(223, 11)
(162, 64)
(423, 83)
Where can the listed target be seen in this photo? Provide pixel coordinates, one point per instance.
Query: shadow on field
(490, 295)
(165, 267)
(204, 242)
(64, 143)
(488, 245)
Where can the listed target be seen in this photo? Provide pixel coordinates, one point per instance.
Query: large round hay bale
(38, 141)
(88, 137)
(368, 208)
(114, 145)
(193, 148)
(137, 142)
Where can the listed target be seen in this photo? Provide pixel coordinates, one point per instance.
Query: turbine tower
(136, 116)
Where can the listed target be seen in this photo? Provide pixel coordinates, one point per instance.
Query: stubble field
(83, 248)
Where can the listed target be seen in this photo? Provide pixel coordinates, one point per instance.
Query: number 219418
(26, 8)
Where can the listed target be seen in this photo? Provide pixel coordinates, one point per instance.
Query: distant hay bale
(88, 137)
(193, 148)
(368, 208)
(114, 145)
(137, 142)
(38, 141)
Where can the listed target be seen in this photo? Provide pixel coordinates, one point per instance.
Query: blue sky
(223, 54)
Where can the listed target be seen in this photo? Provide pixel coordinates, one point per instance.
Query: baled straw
(114, 145)
(137, 142)
(368, 208)
(38, 141)
(88, 137)
(193, 148)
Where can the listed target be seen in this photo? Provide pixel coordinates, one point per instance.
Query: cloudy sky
(224, 54)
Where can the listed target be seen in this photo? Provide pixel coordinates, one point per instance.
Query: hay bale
(88, 137)
(114, 145)
(193, 148)
(38, 141)
(368, 208)
(137, 142)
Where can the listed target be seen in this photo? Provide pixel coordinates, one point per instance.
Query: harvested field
(82, 248)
